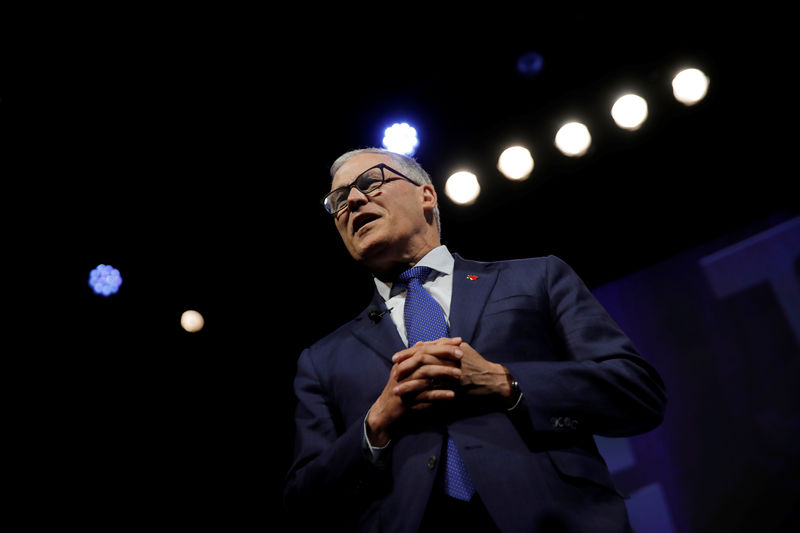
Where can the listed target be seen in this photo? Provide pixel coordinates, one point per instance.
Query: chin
(367, 251)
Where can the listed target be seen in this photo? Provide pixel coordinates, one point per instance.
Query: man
(529, 368)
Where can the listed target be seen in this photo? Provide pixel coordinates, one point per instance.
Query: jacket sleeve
(332, 472)
(601, 384)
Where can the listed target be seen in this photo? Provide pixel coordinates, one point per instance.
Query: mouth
(362, 220)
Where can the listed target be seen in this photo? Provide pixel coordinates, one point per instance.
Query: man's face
(379, 225)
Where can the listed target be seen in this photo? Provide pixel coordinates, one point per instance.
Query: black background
(189, 148)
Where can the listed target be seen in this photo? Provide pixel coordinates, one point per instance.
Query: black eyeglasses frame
(383, 168)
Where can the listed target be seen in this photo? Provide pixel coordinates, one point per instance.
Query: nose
(355, 198)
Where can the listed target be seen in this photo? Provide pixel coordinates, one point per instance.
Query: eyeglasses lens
(366, 183)
(370, 180)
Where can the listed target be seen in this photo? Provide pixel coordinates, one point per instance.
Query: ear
(429, 198)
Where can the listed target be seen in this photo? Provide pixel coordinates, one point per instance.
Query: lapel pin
(472, 277)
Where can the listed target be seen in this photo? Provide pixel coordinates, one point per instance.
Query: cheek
(405, 219)
(343, 233)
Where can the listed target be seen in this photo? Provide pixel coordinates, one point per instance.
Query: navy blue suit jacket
(579, 373)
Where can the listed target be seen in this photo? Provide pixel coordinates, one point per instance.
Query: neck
(390, 267)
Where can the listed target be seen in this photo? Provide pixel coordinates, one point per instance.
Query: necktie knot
(418, 273)
(424, 317)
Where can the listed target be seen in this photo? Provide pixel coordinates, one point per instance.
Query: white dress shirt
(439, 284)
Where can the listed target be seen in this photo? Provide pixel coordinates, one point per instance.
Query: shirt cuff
(519, 399)
(375, 452)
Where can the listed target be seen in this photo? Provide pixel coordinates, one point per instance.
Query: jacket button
(431, 462)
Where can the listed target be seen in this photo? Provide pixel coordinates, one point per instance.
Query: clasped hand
(430, 372)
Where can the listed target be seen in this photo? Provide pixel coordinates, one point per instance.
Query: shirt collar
(439, 259)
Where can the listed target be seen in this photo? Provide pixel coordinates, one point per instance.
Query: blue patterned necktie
(425, 322)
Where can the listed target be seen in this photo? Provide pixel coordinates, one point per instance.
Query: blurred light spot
(690, 86)
(573, 139)
(629, 112)
(401, 139)
(530, 64)
(462, 187)
(105, 280)
(515, 163)
(192, 321)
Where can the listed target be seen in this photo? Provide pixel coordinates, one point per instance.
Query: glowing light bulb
(192, 321)
(690, 86)
(401, 138)
(515, 163)
(462, 187)
(573, 139)
(629, 112)
(105, 280)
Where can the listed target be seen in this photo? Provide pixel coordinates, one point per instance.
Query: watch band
(515, 391)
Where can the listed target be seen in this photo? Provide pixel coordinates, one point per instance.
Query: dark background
(189, 148)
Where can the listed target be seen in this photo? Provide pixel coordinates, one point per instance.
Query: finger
(428, 360)
(410, 351)
(442, 340)
(404, 369)
(437, 395)
(428, 378)
(426, 399)
(426, 366)
(448, 351)
(407, 368)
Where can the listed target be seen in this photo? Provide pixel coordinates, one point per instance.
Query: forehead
(355, 166)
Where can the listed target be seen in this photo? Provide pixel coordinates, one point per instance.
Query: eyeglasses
(366, 182)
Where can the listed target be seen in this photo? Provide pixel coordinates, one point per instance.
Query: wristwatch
(516, 392)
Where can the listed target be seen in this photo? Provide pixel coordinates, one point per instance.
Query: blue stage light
(401, 138)
(105, 280)
(530, 64)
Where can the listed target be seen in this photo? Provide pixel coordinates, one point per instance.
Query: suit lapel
(379, 333)
(472, 284)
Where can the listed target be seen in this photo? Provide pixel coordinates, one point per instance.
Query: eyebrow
(356, 176)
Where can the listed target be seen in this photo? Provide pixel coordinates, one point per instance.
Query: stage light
(400, 138)
(629, 112)
(690, 86)
(462, 187)
(192, 321)
(105, 280)
(573, 139)
(530, 64)
(515, 163)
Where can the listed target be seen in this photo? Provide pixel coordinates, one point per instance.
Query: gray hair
(407, 165)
